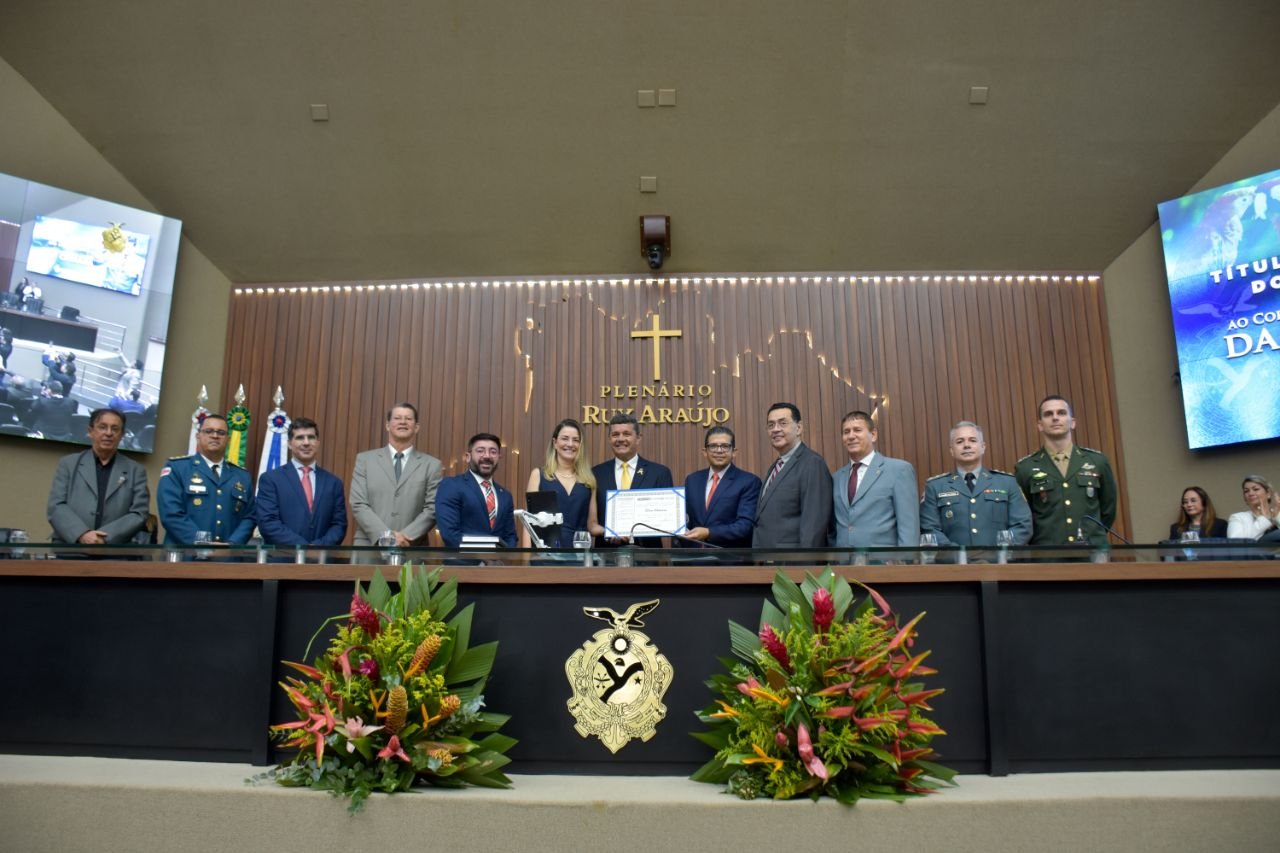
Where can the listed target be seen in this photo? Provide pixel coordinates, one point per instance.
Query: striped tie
(490, 502)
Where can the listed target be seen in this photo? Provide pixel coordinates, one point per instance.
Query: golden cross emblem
(657, 333)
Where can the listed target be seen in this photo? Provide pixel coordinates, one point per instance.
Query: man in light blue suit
(472, 504)
(720, 501)
(876, 503)
(300, 503)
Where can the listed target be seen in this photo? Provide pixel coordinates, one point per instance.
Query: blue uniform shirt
(959, 515)
(188, 499)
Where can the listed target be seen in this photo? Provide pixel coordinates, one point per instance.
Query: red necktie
(490, 502)
(853, 481)
(306, 487)
(715, 481)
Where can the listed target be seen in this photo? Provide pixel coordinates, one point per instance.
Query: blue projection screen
(1222, 260)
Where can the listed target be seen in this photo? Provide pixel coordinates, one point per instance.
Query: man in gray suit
(394, 487)
(98, 496)
(875, 496)
(794, 509)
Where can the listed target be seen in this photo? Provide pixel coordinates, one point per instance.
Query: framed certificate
(635, 512)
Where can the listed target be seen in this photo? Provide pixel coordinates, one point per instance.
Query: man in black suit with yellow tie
(627, 470)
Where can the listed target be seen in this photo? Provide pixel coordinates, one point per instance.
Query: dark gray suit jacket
(73, 499)
(794, 511)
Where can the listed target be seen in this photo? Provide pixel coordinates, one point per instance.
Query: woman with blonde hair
(566, 472)
(1263, 515)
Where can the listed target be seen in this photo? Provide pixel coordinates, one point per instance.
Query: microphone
(672, 534)
(1098, 522)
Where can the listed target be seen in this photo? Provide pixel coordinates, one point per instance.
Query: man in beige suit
(394, 487)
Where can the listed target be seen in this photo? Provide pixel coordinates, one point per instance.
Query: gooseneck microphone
(672, 534)
(1099, 522)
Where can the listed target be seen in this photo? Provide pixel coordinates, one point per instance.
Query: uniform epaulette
(998, 471)
(938, 477)
(1089, 450)
(1028, 456)
(232, 464)
(184, 456)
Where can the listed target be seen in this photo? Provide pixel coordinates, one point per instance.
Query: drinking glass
(1190, 537)
(582, 542)
(1004, 541)
(18, 536)
(928, 540)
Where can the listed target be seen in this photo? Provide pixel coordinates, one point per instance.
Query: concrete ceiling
(504, 137)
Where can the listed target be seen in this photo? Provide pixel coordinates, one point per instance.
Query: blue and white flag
(275, 444)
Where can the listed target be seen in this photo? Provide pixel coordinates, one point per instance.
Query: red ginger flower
(773, 645)
(824, 610)
(363, 614)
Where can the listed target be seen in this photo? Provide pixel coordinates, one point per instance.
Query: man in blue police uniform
(972, 504)
(206, 492)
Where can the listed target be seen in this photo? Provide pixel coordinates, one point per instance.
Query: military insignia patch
(618, 679)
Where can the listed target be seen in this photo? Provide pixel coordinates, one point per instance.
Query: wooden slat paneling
(926, 352)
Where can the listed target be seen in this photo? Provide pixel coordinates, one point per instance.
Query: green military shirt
(1059, 505)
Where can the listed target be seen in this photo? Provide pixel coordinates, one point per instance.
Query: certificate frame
(663, 508)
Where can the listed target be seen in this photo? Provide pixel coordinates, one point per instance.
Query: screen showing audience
(86, 287)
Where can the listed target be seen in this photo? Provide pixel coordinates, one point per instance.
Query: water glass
(928, 540)
(1190, 537)
(582, 542)
(203, 537)
(1004, 541)
(387, 539)
(18, 536)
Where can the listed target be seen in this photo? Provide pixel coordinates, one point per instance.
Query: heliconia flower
(393, 750)
(762, 757)
(309, 671)
(728, 710)
(905, 631)
(745, 687)
(878, 599)
(922, 697)
(824, 610)
(363, 614)
(344, 663)
(368, 668)
(810, 759)
(922, 728)
(864, 723)
(781, 739)
(773, 645)
(911, 754)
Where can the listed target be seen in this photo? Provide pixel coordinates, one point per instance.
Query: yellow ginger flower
(397, 708)
(422, 657)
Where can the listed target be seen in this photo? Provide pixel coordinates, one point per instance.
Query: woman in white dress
(1262, 516)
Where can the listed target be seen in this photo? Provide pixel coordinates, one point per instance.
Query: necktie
(490, 502)
(715, 481)
(968, 481)
(773, 474)
(216, 475)
(626, 476)
(853, 481)
(306, 487)
(399, 465)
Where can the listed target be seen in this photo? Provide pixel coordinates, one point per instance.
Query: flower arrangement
(819, 704)
(396, 699)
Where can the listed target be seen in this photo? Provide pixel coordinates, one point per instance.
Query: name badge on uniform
(197, 489)
(952, 494)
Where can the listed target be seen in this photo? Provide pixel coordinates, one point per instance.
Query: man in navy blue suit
(720, 501)
(472, 504)
(626, 470)
(300, 503)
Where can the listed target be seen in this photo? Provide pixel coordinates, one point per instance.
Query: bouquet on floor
(397, 698)
(818, 702)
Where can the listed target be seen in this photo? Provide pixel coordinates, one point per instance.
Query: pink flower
(368, 668)
(773, 645)
(363, 614)
(745, 687)
(805, 747)
(824, 610)
(354, 728)
(393, 750)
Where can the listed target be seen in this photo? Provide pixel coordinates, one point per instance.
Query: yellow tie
(626, 476)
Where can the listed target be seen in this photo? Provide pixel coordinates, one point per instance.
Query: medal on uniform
(950, 514)
(618, 679)
(196, 502)
(1089, 491)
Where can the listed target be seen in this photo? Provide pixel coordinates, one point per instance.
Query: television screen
(1222, 262)
(101, 255)
(67, 349)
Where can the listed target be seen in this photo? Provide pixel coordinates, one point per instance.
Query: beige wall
(1152, 428)
(38, 144)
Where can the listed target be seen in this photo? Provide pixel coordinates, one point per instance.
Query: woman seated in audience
(567, 472)
(1197, 514)
(1263, 514)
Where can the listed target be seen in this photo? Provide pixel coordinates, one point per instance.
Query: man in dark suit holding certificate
(794, 510)
(720, 500)
(472, 504)
(627, 470)
(300, 503)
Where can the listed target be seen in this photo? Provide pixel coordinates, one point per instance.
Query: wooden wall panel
(514, 357)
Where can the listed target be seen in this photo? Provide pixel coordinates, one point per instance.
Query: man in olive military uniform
(971, 504)
(206, 492)
(1064, 483)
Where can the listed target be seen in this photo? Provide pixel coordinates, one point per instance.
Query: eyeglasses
(719, 448)
(221, 433)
